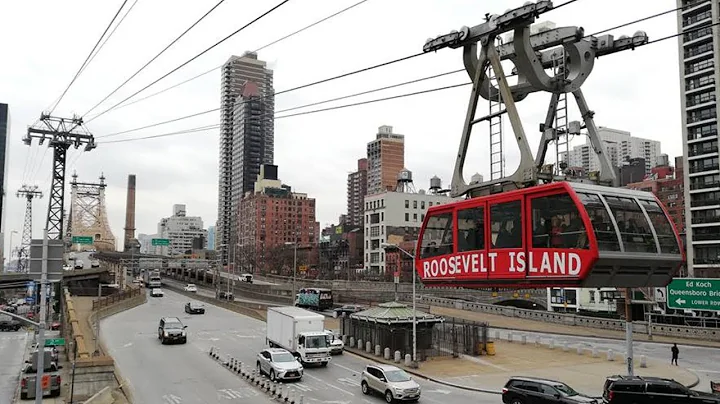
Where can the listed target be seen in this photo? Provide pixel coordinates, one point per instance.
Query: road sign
(660, 295)
(694, 294)
(82, 240)
(30, 299)
(160, 241)
(55, 342)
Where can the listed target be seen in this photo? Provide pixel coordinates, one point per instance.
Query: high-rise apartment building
(182, 231)
(273, 216)
(667, 183)
(211, 238)
(356, 191)
(246, 137)
(698, 86)
(385, 159)
(4, 147)
(620, 147)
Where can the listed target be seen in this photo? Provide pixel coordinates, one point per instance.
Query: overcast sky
(45, 42)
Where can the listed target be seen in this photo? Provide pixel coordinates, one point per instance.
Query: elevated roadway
(186, 374)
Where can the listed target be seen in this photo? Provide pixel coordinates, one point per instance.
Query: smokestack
(130, 214)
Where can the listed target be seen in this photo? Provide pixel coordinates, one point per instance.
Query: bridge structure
(88, 214)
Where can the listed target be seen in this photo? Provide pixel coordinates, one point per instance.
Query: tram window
(471, 229)
(601, 223)
(663, 228)
(634, 229)
(506, 220)
(556, 223)
(437, 238)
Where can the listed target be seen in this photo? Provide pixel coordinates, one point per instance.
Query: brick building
(667, 183)
(356, 191)
(270, 220)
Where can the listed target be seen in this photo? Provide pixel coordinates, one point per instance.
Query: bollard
(301, 399)
(368, 346)
(377, 350)
(579, 350)
(291, 395)
(523, 339)
(551, 345)
(497, 335)
(610, 355)
(408, 359)
(510, 337)
(239, 367)
(387, 354)
(345, 339)
(281, 392)
(352, 341)
(397, 357)
(229, 359)
(643, 361)
(360, 344)
(211, 351)
(595, 353)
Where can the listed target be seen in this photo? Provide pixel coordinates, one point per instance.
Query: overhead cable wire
(368, 101)
(110, 35)
(643, 19)
(155, 57)
(256, 50)
(194, 57)
(88, 57)
(563, 4)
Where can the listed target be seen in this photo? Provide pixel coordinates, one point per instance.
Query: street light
(295, 244)
(414, 327)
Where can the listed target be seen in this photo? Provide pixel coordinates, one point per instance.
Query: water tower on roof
(435, 184)
(405, 182)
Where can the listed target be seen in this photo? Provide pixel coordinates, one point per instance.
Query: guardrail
(109, 300)
(707, 334)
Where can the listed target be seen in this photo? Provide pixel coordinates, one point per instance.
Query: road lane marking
(171, 399)
(302, 387)
(346, 368)
(325, 382)
(704, 370)
(350, 382)
(231, 394)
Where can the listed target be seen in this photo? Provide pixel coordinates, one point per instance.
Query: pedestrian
(675, 353)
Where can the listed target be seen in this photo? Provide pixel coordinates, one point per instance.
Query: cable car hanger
(531, 55)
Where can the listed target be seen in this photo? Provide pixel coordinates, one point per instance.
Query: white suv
(279, 364)
(191, 288)
(390, 381)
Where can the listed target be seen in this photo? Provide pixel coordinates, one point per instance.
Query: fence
(452, 337)
(116, 297)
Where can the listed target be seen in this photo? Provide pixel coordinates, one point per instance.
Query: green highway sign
(694, 294)
(160, 241)
(55, 342)
(82, 240)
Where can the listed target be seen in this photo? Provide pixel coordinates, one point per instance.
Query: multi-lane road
(12, 349)
(185, 374)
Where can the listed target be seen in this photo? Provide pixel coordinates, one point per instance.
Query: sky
(637, 91)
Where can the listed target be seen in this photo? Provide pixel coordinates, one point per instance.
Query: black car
(194, 308)
(225, 296)
(171, 329)
(530, 390)
(348, 309)
(642, 390)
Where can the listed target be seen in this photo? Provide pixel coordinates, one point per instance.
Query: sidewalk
(83, 308)
(512, 323)
(490, 373)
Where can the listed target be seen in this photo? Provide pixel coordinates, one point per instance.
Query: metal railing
(116, 297)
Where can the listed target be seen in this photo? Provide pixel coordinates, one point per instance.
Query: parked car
(156, 292)
(646, 390)
(347, 310)
(190, 287)
(194, 308)
(279, 364)
(8, 323)
(337, 346)
(521, 390)
(390, 381)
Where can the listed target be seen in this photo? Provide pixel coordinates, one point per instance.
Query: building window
(414, 204)
(407, 217)
(407, 204)
(414, 217)
(422, 204)
(506, 222)
(471, 229)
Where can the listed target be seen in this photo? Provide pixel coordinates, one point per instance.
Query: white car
(336, 344)
(94, 264)
(393, 383)
(279, 364)
(156, 292)
(191, 288)
(79, 264)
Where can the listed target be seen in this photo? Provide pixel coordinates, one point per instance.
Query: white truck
(152, 279)
(299, 331)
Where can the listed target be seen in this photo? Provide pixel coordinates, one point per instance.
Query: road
(84, 256)
(207, 292)
(12, 349)
(228, 275)
(187, 373)
(702, 361)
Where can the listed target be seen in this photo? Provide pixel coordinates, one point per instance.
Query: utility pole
(629, 331)
(61, 134)
(42, 324)
(28, 192)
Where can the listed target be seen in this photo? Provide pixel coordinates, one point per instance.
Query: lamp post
(295, 244)
(414, 325)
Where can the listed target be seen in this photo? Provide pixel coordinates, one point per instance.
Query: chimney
(130, 214)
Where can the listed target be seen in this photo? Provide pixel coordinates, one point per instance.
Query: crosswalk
(300, 386)
(232, 394)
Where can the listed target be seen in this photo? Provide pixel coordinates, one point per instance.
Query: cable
(193, 58)
(110, 35)
(640, 20)
(256, 50)
(159, 123)
(155, 57)
(88, 56)
(182, 132)
(681, 33)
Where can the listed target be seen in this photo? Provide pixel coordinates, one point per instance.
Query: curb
(697, 379)
(419, 374)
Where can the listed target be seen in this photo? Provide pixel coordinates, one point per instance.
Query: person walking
(675, 352)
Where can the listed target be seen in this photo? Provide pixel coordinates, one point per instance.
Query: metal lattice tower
(495, 119)
(29, 193)
(61, 134)
(88, 214)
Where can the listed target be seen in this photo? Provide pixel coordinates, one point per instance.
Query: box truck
(300, 331)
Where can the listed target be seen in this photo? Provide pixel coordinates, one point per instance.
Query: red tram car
(558, 234)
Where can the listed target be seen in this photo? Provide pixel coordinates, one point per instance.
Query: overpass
(20, 279)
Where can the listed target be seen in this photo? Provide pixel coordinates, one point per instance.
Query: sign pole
(41, 328)
(629, 331)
